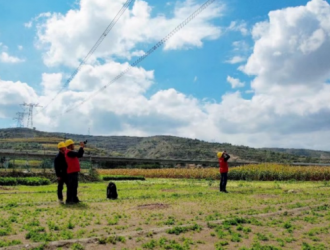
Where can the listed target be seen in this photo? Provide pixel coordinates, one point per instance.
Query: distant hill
(167, 147)
(323, 155)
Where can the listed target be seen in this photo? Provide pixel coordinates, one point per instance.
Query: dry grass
(182, 173)
(37, 139)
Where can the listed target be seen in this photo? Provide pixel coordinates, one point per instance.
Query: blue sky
(198, 73)
(176, 69)
(173, 69)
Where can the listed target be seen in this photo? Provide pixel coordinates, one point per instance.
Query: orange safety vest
(72, 162)
(223, 165)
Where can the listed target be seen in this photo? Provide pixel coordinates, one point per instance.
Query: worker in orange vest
(223, 164)
(72, 160)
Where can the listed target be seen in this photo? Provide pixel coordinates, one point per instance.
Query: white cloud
(6, 58)
(20, 47)
(64, 43)
(35, 19)
(236, 59)
(12, 94)
(290, 64)
(289, 53)
(28, 24)
(51, 83)
(195, 79)
(234, 82)
(240, 26)
(241, 46)
(138, 53)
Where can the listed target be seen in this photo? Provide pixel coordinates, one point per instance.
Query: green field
(169, 214)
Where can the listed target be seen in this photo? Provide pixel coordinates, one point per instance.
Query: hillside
(323, 155)
(167, 147)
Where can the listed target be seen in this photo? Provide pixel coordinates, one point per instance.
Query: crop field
(258, 172)
(169, 214)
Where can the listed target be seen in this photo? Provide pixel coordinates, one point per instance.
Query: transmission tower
(30, 107)
(19, 118)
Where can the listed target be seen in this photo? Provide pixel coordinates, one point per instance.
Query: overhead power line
(93, 49)
(150, 51)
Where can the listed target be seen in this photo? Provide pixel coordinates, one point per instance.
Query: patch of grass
(306, 246)
(38, 236)
(165, 243)
(114, 239)
(258, 246)
(236, 237)
(179, 230)
(170, 221)
(247, 230)
(7, 243)
(5, 228)
(77, 246)
(262, 237)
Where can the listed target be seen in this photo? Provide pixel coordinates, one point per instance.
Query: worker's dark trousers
(60, 184)
(223, 181)
(72, 187)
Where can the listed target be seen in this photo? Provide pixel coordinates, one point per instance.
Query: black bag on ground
(112, 191)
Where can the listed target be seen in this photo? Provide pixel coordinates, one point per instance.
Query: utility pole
(19, 118)
(30, 106)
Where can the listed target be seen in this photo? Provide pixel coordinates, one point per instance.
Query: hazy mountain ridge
(167, 147)
(303, 152)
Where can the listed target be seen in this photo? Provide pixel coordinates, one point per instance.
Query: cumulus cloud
(292, 49)
(67, 38)
(12, 94)
(234, 82)
(6, 58)
(290, 65)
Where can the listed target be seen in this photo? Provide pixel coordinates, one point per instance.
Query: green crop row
(122, 178)
(276, 172)
(28, 181)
